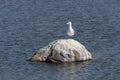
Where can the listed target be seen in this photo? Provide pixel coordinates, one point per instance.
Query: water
(27, 25)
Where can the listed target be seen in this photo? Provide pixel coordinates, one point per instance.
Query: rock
(62, 50)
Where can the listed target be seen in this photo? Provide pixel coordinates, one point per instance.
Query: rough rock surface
(62, 50)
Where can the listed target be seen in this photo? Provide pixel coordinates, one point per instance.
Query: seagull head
(69, 23)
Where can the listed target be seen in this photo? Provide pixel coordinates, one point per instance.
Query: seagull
(70, 31)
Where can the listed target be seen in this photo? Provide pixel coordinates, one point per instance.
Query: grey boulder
(62, 50)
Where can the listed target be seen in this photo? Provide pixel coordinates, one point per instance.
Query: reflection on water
(78, 69)
(68, 71)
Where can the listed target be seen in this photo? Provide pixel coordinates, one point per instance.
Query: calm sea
(28, 25)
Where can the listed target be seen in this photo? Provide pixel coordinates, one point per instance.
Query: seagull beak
(67, 23)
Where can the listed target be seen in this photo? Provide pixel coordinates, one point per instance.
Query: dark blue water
(27, 25)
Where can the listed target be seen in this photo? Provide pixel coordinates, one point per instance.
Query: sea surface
(28, 25)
